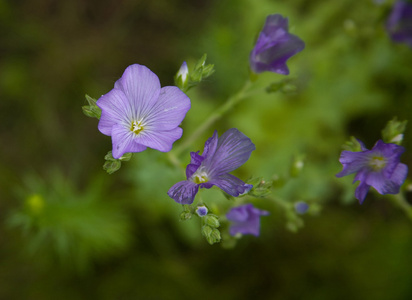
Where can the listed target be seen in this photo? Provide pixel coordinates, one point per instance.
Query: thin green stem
(400, 201)
(216, 115)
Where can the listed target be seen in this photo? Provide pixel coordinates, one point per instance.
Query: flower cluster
(379, 168)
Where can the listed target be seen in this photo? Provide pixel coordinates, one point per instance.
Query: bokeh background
(71, 231)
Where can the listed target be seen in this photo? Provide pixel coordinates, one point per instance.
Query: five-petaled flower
(275, 45)
(138, 113)
(399, 23)
(245, 219)
(220, 156)
(379, 168)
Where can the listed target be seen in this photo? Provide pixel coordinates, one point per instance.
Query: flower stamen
(200, 178)
(136, 127)
(377, 163)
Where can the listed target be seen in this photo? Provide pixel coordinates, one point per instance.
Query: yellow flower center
(200, 178)
(136, 126)
(377, 163)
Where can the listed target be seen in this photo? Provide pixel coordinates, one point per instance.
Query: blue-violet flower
(201, 211)
(138, 113)
(275, 45)
(399, 23)
(379, 168)
(220, 156)
(245, 219)
(301, 207)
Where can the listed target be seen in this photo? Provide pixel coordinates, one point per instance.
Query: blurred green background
(71, 231)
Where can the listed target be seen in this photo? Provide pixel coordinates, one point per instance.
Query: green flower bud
(212, 221)
(393, 132)
(212, 235)
(352, 145)
(297, 165)
(185, 215)
(261, 188)
(91, 110)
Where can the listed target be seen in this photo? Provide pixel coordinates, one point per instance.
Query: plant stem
(216, 115)
(400, 201)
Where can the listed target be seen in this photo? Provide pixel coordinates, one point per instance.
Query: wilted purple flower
(138, 113)
(245, 219)
(275, 45)
(220, 156)
(399, 23)
(379, 168)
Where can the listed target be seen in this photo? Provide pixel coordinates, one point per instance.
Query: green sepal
(186, 213)
(91, 110)
(261, 188)
(200, 71)
(212, 235)
(393, 132)
(113, 164)
(211, 220)
(286, 86)
(352, 145)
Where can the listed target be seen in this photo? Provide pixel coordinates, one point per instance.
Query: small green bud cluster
(286, 86)
(91, 110)
(393, 132)
(261, 188)
(209, 229)
(112, 164)
(186, 213)
(185, 79)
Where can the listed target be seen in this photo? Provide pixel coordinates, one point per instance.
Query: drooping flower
(379, 168)
(138, 113)
(245, 219)
(275, 45)
(220, 156)
(399, 23)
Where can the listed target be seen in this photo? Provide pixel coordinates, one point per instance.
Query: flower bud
(201, 211)
(182, 77)
(393, 132)
(212, 221)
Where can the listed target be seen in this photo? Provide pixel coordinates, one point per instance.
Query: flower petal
(233, 150)
(352, 162)
(142, 87)
(399, 174)
(183, 192)
(231, 184)
(123, 141)
(169, 111)
(361, 191)
(159, 140)
(115, 108)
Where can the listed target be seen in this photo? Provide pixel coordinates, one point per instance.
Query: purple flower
(245, 219)
(301, 207)
(220, 156)
(138, 113)
(201, 211)
(275, 45)
(379, 168)
(399, 23)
